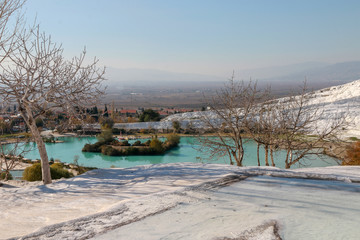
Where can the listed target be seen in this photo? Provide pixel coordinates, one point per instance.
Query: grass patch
(16, 135)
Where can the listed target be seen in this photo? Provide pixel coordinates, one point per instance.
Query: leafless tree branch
(39, 79)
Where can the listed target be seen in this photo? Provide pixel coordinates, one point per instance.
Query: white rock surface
(92, 204)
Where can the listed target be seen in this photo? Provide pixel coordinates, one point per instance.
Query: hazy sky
(203, 36)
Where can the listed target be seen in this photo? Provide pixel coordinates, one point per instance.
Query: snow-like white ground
(301, 209)
(177, 201)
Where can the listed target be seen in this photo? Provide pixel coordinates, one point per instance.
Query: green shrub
(130, 151)
(109, 151)
(172, 141)
(147, 143)
(177, 126)
(118, 131)
(57, 173)
(39, 122)
(137, 143)
(57, 165)
(157, 145)
(124, 143)
(149, 115)
(150, 147)
(147, 151)
(96, 147)
(33, 173)
(107, 123)
(106, 136)
(49, 140)
(3, 175)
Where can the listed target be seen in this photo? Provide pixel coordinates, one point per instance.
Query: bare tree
(302, 128)
(10, 24)
(292, 124)
(11, 156)
(231, 110)
(263, 129)
(39, 79)
(295, 125)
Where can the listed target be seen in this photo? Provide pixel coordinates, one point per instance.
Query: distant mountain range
(318, 75)
(323, 76)
(120, 78)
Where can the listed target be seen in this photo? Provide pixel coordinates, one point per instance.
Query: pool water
(70, 149)
(17, 174)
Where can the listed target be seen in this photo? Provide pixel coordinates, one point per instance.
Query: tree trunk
(6, 175)
(288, 161)
(258, 154)
(45, 166)
(239, 158)
(266, 155)
(272, 156)
(241, 155)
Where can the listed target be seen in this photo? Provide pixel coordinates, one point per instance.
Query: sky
(212, 37)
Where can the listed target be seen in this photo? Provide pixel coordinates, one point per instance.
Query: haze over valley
(130, 88)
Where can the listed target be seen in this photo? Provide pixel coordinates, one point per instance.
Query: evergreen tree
(94, 110)
(149, 115)
(106, 114)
